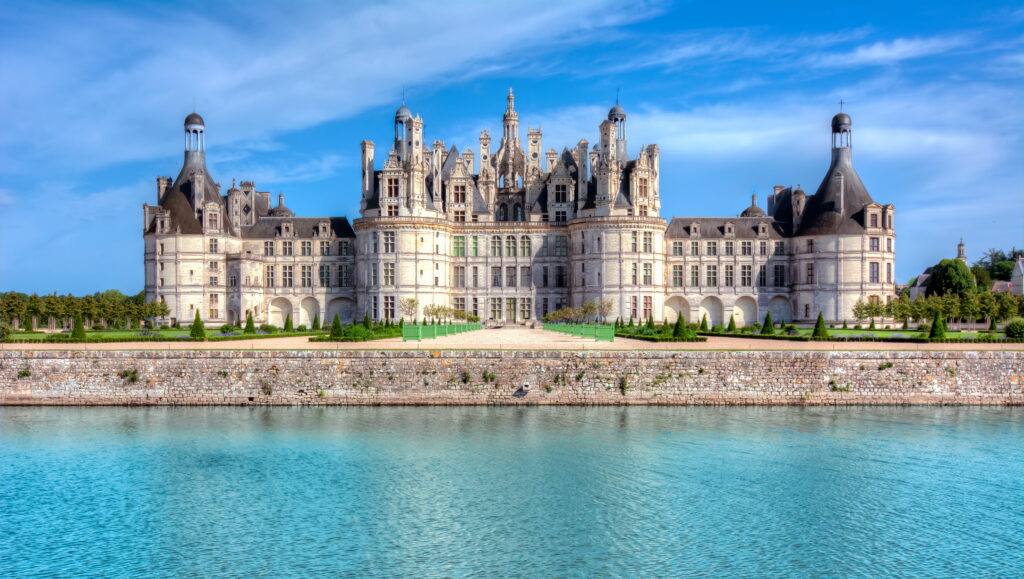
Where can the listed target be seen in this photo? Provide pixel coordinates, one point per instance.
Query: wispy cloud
(890, 52)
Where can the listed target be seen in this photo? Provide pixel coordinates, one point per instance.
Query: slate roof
(179, 200)
(303, 227)
(823, 214)
(714, 227)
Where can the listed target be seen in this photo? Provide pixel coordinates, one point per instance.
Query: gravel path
(513, 338)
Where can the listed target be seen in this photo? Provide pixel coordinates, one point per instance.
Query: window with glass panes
(780, 275)
(495, 277)
(648, 274)
(634, 303)
(648, 307)
(525, 309)
(873, 244)
(510, 276)
(711, 275)
(307, 276)
(728, 248)
(677, 248)
(694, 248)
(524, 277)
(524, 246)
(371, 271)
(345, 275)
(873, 272)
(459, 194)
(561, 193)
(460, 216)
(746, 248)
(746, 275)
(510, 246)
(460, 276)
(389, 242)
(634, 241)
(763, 247)
(495, 246)
(286, 248)
(560, 276)
(325, 248)
(677, 276)
(307, 248)
(474, 249)
(780, 248)
(268, 276)
(712, 248)
(389, 307)
(762, 276)
(694, 276)
(325, 275)
(343, 248)
(213, 246)
(495, 308)
(389, 274)
(561, 245)
(286, 276)
(636, 273)
(648, 242)
(459, 246)
(729, 276)
(391, 187)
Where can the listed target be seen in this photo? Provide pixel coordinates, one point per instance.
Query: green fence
(598, 332)
(426, 331)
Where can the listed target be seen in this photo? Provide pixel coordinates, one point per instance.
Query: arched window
(510, 246)
(524, 246)
(517, 213)
(503, 212)
(495, 246)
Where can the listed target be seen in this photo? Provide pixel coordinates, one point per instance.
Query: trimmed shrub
(820, 333)
(679, 330)
(993, 326)
(78, 331)
(732, 325)
(336, 327)
(704, 323)
(250, 325)
(768, 328)
(316, 321)
(198, 332)
(301, 328)
(1015, 329)
(938, 330)
(288, 324)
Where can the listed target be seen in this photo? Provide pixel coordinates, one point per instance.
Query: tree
(250, 325)
(820, 331)
(950, 276)
(704, 323)
(938, 329)
(860, 310)
(604, 308)
(316, 322)
(288, 324)
(650, 323)
(982, 277)
(1006, 305)
(336, 328)
(589, 310)
(198, 331)
(1015, 329)
(768, 328)
(408, 307)
(366, 321)
(732, 324)
(970, 307)
(78, 331)
(1002, 270)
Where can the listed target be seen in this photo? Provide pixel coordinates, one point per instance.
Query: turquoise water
(529, 492)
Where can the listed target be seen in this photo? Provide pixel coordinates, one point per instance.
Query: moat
(400, 491)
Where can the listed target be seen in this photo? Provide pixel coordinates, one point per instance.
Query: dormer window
(762, 229)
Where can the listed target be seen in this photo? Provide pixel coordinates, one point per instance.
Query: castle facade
(512, 234)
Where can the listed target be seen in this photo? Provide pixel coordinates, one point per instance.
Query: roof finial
(616, 95)
(403, 95)
(841, 103)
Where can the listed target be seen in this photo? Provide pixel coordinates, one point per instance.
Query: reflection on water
(511, 491)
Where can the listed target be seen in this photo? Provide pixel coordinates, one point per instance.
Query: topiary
(250, 325)
(872, 326)
(992, 325)
(704, 323)
(844, 324)
(1015, 329)
(819, 328)
(679, 330)
(768, 328)
(938, 330)
(288, 324)
(366, 321)
(316, 322)
(78, 330)
(732, 325)
(336, 327)
(198, 331)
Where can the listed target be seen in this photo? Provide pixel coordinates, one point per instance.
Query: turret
(617, 116)
(533, 138)
(367, 165)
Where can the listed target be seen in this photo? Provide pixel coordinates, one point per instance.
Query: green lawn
(104, 334)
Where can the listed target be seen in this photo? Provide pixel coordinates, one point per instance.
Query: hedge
(66, 339)
(804, 338)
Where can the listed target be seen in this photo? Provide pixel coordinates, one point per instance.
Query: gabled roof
(714, 227)
(303, 227)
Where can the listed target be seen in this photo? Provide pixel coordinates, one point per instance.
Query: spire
(511, 101)
(961, 251)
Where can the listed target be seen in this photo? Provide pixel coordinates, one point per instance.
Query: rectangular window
(495, 277)
(636, 273)
(641, 187)
(233, 281)
(525, 277)
(391, 189)
(371, 274)
(762, 276)
(510, 276)
(746, 247)
(730, 276)
(475, 248)
(307, 276)
(888, 273)
(392, 212)
(459, 304)
(307, 248)
(888, 245)
(510, 246)
(459, 195)
(560, 276)
(374, 303)
(476, 307)
(763, 247)
(694, 276)
(325, 275)
(677, 276)
(712, 248)
(343, 248)
(495, 308)
(633, 307)
(810, 246)
(495, 246)
(780, 275)
(286, 248)
(780, 248)
(374, 242)
(389, 274)
(648, 274)
(344, 275)
(873, 244)
(561, 193)
(648, 242)
(728, 248)
(286, 276)
(694, 248)
(873, 269)
(677, 248)
(874, 220)
(560, 216)
(459, 246)
(325, 248)
(544, 276)
(524, 247)
(746, 275)
(389, 307)
(634, 244)
(711, 273)
(460, 276)
(525, 308)
(648, 307)
(268, 248)
(561, 246)
(389, 242)
(460, 216)
(213, 246)
(213, 265)
(214, 281)
(810, 273)
(476, 276)
(268, 276)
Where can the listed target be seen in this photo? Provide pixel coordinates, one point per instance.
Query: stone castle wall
(495, 377)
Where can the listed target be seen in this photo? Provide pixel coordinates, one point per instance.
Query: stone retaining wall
(510, 377)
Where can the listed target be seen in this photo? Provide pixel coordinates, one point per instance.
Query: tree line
(111, 308)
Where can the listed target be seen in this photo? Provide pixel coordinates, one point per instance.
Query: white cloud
(883, 53)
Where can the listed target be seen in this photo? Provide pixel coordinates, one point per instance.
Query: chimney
(280, 199)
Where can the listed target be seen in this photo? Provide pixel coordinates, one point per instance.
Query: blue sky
(738, 97)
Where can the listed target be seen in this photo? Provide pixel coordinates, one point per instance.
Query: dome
(402, 114)
(841, 122)
(194, 119)
(617, 113)
(752, 211)
(281, 211)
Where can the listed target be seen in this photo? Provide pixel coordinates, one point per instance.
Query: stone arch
(780, 309)
(503, 212)
(345, 309)
(744, 311)
(712, 308)
(677, 306)
(309, 307)
(278, 310)
(233, 318)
